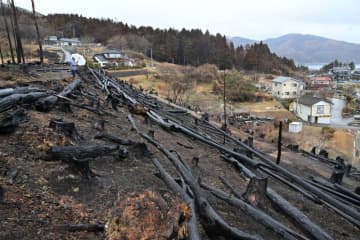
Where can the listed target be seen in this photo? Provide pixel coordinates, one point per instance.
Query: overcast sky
(255, 19)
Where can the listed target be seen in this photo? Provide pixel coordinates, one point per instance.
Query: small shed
(295, 127)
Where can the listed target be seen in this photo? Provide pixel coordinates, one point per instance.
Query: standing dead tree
(19, 47)
(37, 33)
(7, 31)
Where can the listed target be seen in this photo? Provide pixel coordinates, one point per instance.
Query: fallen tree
(213, 223)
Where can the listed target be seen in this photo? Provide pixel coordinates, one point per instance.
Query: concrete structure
(313, 109)
(113, 58)
(286, 87)
(295, 127)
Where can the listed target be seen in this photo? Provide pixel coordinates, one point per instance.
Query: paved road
(67, 55)
(337, 107)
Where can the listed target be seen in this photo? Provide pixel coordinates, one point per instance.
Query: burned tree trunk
(294, 213)
(193, 230)
(37, 33)
(258, 215)
(14, 99)
(11, 121)
(7, 32)
(78, 153)
(19, 47)
(47, 103)
(114, 139)
(79, 156)
(213, 223)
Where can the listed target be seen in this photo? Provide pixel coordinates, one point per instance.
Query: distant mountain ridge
(309, 48)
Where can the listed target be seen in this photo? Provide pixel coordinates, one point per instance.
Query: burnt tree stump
(9, 121)
(67, 128)
(148, 215)
(255, 193)
(324, 153)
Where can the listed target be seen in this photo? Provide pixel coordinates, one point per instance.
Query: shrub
(327, 132)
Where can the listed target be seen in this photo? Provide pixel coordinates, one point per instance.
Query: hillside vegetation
(184, 47)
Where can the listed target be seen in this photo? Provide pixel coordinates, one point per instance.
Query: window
(284, 84)
(294, 84)
(278, 92)
(320, 109)
(287, 93)
(294, 93)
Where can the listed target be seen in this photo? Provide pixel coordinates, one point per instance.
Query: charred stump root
(47, 103)
(99, 125)
(10, 121)
(255, 193)
(68, 128)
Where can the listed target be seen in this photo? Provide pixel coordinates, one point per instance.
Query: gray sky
(255, 19)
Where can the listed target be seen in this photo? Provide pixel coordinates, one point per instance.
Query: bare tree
(19, 48)
(7, 32)
(38, 33)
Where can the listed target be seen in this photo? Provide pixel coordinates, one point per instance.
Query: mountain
(313, 49)
(242, 41)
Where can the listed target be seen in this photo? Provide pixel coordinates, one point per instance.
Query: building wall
(303, 112)
(280, 90)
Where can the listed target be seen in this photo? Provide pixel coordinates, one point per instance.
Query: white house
(69, 42)
(54, 40)
(113, 58)
(286, 87)
(313, 109)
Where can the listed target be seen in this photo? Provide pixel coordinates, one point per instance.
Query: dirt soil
(39, 196)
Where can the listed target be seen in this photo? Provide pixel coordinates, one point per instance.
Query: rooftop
(283, 79)
(309, 100)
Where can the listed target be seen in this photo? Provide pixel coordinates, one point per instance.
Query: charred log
(114, 139)
(193, 230)
(294, 213)
(213, 223)
(11, 101)
(78, 153)
(10, 121)
(258, 215)
(46, 104)
(82, 227)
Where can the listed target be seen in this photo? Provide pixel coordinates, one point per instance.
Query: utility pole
(151, 57)
(7, 32)
(37, 33)
(224, 106)
(279, 144)
(2, 57)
